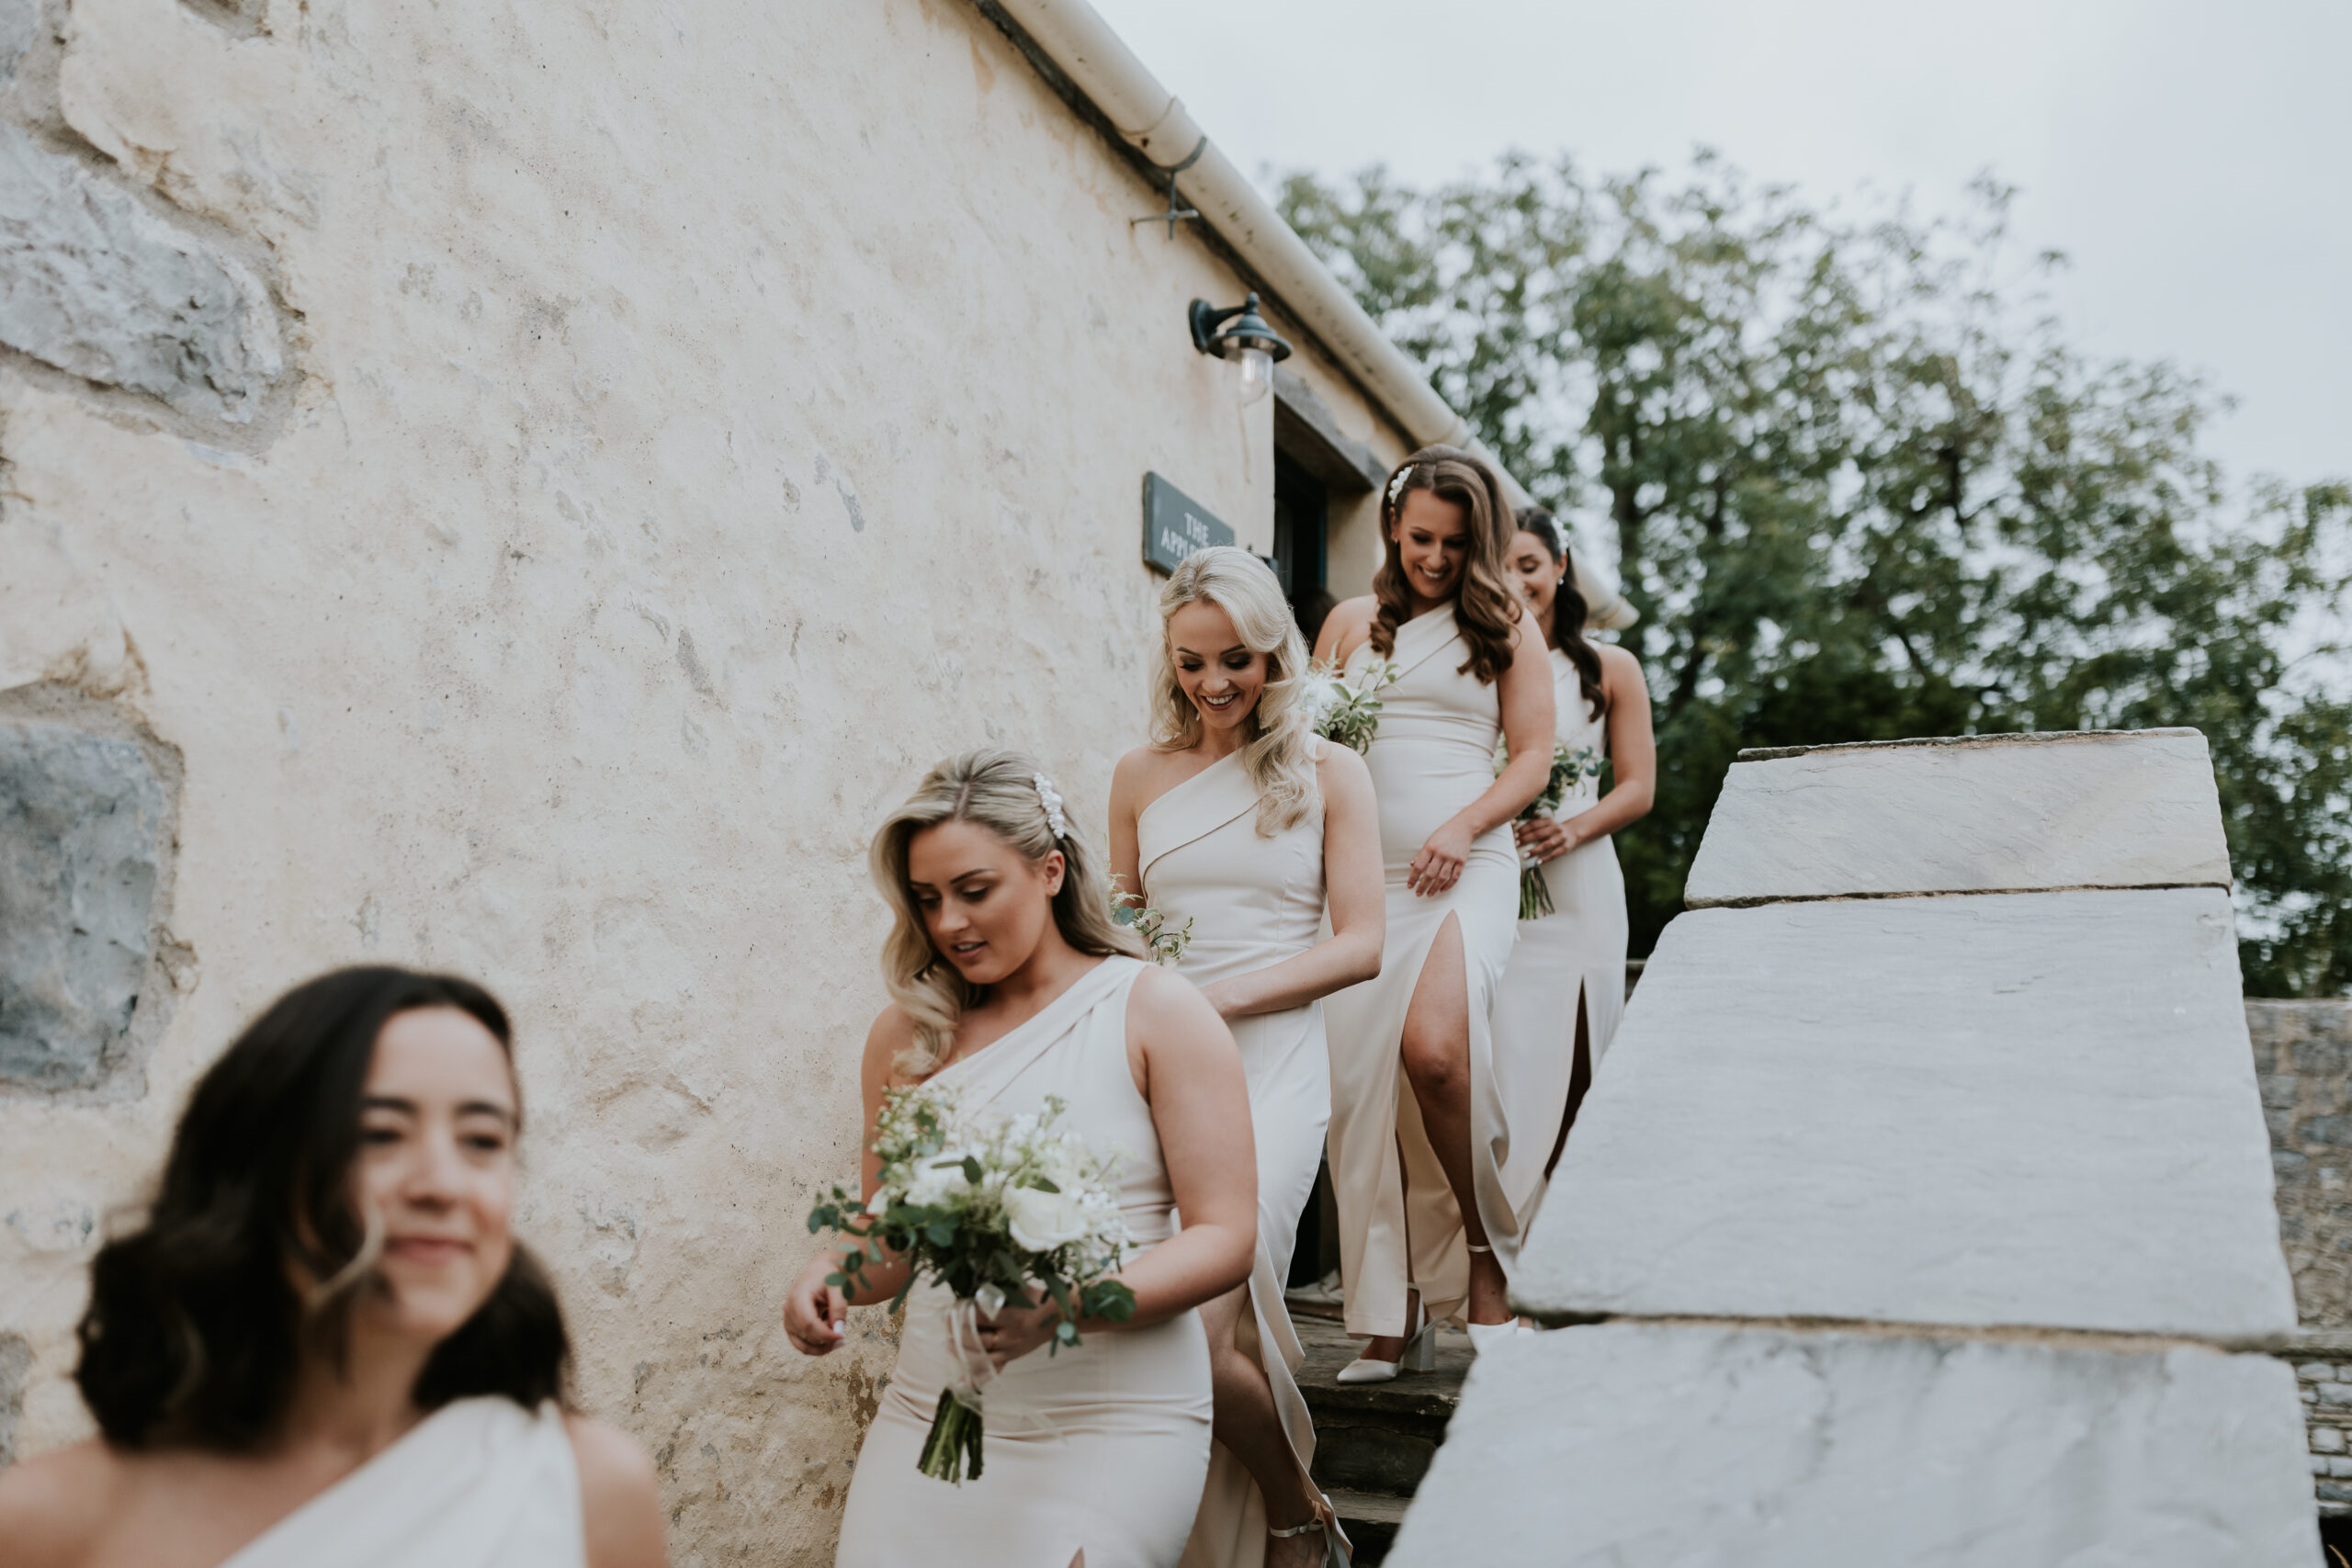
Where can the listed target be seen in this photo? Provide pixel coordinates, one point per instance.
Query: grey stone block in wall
(94, 283)
(2028, 1109)
(2302, 1052)
(15, 1362)
(83, 819)
(2131, 808)
(1628, 1443)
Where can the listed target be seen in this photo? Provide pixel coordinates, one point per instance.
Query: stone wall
(521, 487)
(2302, 1052)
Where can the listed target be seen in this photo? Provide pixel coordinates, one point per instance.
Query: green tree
(1861, 490)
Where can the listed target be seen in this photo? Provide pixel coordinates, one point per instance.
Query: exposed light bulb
(1256, 376)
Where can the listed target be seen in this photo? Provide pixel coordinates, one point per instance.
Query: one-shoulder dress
(1432, 755)
(1102, 1449)
(481, 1482)
(1253, 901)
(1577, 950)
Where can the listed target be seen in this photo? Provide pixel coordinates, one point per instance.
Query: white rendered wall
(695, 420)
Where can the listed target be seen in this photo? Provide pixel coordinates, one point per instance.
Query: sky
(2194, 161)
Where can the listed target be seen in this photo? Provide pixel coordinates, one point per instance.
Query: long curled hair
(196, 1328)
(1484, 607)
(1569, 609)
(1277, 738)
(997, 790)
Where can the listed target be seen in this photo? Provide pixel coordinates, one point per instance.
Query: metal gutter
(1152, 120)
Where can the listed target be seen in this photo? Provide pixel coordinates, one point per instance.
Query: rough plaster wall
(694, 422)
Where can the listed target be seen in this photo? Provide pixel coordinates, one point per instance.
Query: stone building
(520, 487)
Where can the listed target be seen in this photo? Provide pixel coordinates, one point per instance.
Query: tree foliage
(1859, 491)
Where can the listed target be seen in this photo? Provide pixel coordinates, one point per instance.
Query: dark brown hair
(1569, 611)
(1484, 608)
(195, 1330)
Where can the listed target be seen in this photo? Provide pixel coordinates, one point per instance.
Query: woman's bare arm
(814, 1310)
(620, 1500)
(1200, 1105)
(1352, 890)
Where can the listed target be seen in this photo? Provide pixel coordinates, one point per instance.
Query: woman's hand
(1545, 838)
(1015, 1331)
(814, 1313)
(1439, 865)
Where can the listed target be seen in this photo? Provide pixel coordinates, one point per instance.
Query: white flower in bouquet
(1347, 708)
(1011, 1209)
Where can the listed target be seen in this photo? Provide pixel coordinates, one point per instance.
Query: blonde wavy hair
(995, 789)
(1277, 738)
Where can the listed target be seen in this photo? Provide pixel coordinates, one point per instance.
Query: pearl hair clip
(1396, 484)
(1051, 799)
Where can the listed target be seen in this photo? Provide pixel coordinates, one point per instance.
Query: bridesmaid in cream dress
(1565, 988)
(324, 1345)
(1012, 982)
(1416, 1156)
(1238, 820)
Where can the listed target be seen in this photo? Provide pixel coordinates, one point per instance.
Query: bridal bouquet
(1346, 710)
(1568, 768)
(993, 1209)
(1167, 947)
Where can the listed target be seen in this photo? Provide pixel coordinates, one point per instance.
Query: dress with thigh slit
(1253, 900)
(1101, 1448)
(1577, 951)
(1432, 755)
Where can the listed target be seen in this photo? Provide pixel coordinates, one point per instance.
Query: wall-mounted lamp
(1249, 340)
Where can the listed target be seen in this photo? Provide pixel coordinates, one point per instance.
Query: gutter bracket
(1176, 212)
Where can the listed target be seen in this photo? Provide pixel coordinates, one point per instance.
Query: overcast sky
(2193, 160)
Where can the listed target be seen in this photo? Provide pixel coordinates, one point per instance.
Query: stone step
(1376, 1439)
(1371, 1519)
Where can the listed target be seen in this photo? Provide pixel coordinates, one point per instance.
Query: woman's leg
(1436, 1049)
(1245, 1419)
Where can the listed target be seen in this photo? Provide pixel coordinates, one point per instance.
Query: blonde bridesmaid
(1565, 988)
(1012, 982)
(1237, 822)
(1420, 1131)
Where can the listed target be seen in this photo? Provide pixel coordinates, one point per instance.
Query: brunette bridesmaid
(1565, 988)
(1012, 984)
(1419, 1130)
(1237, 822)
(324, 1345)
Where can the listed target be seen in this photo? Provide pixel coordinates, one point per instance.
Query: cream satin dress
(1102, 1449)
(1254, 902)
(1577, 948)
(1433, 755)
(478, 1483)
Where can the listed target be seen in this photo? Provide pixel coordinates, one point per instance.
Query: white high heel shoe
(1420, 1355)
(1337, 1548)
(1485, 1337)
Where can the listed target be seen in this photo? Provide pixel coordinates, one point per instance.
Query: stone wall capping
(1658, 1442)
(1980, 814)
(2286, 1345)
(1960, 742)
(1992, 1126)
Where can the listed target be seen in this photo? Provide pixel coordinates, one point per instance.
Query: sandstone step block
(2033, 1110)
(2004, 813)
(1631, 1443)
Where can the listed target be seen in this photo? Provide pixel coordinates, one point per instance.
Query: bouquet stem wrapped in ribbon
(1568, 768)
(1009, 1210)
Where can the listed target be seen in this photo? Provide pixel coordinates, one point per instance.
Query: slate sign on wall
(1174, 525)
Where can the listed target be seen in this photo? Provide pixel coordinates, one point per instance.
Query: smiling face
(1432, 538)
(436, 1164)
(1536, 573)
(1221, 678)
(985, 905)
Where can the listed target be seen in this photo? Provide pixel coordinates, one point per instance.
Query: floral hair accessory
(1396, 484)
(1051, 799)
